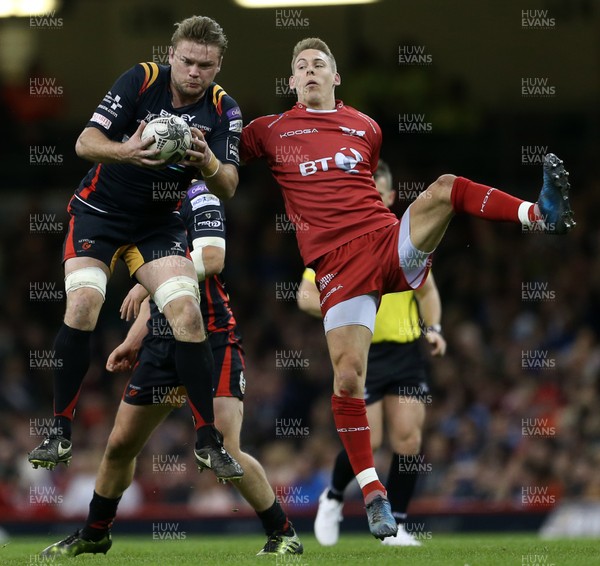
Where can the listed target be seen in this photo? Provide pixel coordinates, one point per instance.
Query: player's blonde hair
(313, 43)
(200, 29)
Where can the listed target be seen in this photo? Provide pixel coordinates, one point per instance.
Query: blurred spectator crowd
(514, 404)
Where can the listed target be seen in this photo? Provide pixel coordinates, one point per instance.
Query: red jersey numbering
(324, 163)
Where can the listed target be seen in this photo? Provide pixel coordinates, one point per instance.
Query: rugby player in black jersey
(149, 349)
(123, 208)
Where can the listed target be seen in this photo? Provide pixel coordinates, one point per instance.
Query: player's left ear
(337, 80)
(220, 63)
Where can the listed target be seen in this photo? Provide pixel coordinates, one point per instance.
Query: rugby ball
(172, 137)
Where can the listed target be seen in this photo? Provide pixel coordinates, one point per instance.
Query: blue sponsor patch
(234, 113)
(197, 188)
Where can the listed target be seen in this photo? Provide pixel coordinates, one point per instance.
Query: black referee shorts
(396, 368)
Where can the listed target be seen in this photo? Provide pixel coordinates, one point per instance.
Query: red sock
(489, 203)
(350, 416)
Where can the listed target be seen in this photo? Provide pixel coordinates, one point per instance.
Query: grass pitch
(210, 550)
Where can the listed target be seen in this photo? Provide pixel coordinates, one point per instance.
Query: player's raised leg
(173, 283)
(405, 417)
(85, 283)
(133, 426)
(348, 348)
(432, 211)
(254, 486)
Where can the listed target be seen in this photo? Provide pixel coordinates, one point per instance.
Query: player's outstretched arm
(430, 308)
(94, 146)
(123, 357)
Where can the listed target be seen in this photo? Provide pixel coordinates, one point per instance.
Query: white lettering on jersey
(298, 132)
(325, 280)
(204, 200)
(311, 167)
(345, 161)
(209, 219)
(102, 120)
(235, 126)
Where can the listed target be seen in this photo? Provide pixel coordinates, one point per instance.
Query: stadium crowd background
(514, 403)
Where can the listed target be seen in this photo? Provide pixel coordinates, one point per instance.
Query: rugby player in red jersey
(357, 247)
(123, 208)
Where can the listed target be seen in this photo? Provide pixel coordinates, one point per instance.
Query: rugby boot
(52, 451)
(381, 521)
(74, 545)
(553, 202)
(283, 543)
(214, 457)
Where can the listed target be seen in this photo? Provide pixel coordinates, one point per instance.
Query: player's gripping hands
(201, 156)
(94, 146)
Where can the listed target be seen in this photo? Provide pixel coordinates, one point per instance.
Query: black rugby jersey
(142, 93)
(204, 216)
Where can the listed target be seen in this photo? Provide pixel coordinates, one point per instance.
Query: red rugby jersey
(324, 163)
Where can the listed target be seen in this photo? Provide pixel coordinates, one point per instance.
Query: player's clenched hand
(131, 303)
(121, 358)
(135, 150)
(437, 341)
(199, 154)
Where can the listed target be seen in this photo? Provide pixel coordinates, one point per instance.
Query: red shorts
(368, 264)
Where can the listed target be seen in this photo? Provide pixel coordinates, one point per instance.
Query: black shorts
(109, 236)
(396, 369)
(154, 379)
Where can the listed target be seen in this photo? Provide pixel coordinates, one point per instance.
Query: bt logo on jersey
(347, 158)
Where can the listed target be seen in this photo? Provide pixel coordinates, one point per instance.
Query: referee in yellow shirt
(396, 389)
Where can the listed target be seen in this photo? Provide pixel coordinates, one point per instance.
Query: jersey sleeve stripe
(151, 74)
(218, 94)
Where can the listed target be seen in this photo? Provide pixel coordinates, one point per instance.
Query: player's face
(193, 68)
(314, 79)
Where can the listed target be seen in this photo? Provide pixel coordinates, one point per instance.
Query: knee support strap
(92, 277)
(174, 288)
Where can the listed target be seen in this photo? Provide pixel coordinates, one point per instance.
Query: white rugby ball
(172, 136)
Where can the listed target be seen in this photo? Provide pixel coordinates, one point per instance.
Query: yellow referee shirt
(397, 318)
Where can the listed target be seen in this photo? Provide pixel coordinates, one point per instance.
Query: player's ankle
(373, 490)
(331, 494)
